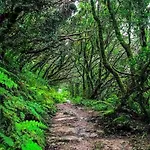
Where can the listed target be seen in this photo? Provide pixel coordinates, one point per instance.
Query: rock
(84, 134)
(64, 130)
(81, 118)
(72, 139)
(65, 119)
(53, 144)
(93, 135)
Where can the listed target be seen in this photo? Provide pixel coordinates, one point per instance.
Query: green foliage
(24, 106)
(135, 106)
(106, 107)
(7, 140)
(29, 125)
(31, 130)
(59, 96)
(123, 119)
(77, 100)
(5, 80)
(30, 145)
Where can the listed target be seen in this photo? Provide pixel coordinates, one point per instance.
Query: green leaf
(7, 140)
(30, 145)
(3, 91)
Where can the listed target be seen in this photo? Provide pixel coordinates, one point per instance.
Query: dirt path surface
(72, 130)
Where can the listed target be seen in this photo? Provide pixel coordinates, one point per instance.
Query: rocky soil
(72, 130)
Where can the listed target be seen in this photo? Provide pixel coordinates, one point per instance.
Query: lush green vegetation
(104, 107)
(25, 104)
(99, 50)
(28, 33)
(112, 55)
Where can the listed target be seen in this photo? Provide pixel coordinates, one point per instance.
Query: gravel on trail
(72, 129)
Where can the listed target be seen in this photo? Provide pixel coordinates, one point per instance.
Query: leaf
(30, 145)
(3, 91)
(9, 141)
(4, 79)
(122, 119)
(108, 112)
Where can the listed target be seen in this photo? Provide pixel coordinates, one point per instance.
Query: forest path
(72, 130)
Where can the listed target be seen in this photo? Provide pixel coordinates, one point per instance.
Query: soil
(72, 129)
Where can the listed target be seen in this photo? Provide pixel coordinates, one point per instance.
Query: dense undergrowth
(26, 101)
(111, 119)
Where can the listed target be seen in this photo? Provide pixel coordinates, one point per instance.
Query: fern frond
(30, 145)
(3, 91)
(8, 82)
(31, 130)
(30, 125)
(7, 140)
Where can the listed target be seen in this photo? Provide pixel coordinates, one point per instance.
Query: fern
(7, 140)
(29, 97)
(14, 104)
(5, 80)
(32, 130)
(30, 145)
(35, 109)
(3, 91)
(2, 147)
(30, 125)
(10, 114)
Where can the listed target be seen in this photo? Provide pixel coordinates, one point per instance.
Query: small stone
(93, 135)
(81, 118)
(64, 130)
(65, 118)
(53, 144)
(65, 139)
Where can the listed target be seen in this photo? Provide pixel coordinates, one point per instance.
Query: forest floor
(72, 129)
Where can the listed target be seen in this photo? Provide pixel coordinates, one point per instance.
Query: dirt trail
(72, 130)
